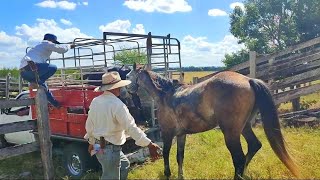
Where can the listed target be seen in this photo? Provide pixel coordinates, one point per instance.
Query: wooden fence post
(195, 80)
(8, 86)
(44, 133)
(20, 84)
(253, 65)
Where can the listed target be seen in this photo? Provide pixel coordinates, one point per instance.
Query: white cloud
(163, 6)
(6, 39)
(13, 47)
(57, 4)
(239, 4)
(66, 22)
(122, 26)
(217, 12)
(198, 51)
(139, 29)
(85, 3)
(35, 33)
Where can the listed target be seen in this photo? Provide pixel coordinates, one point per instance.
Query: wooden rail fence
(11, 87)
(291, 73)
(41, 125)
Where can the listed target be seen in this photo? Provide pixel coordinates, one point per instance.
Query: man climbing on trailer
(35, 69)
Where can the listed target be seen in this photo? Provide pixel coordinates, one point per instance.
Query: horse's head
(150, 81)
(133, 77)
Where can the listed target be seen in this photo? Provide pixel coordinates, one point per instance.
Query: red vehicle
(93, 56)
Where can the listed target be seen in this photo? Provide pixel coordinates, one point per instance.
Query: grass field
(188, 76)
(206, 157)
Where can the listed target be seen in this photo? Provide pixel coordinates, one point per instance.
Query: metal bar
(130, 35)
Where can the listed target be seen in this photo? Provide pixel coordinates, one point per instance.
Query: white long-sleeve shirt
(41, 52)
(109, 117)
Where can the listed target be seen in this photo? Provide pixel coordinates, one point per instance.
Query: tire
(76, 160)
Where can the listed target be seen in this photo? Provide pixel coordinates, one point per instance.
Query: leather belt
(102, 142)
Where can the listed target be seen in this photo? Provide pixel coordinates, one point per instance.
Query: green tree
(267, 26)
(131, 56)
(235, 58)
(13, 71)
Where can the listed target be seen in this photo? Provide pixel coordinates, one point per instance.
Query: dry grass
(188, 76)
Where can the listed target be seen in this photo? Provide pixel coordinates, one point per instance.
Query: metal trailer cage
(74, 92)
(160, 53)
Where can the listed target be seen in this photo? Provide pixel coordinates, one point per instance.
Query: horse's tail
(271, 123)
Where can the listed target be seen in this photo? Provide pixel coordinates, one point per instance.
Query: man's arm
(58, 48)
(127, 121)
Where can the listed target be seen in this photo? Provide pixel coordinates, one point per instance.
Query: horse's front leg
(181, 141)
(167, 142)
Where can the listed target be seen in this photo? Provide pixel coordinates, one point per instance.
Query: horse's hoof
(180, 176)
(167, 173)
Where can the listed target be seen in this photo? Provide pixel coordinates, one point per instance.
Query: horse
(228, 100)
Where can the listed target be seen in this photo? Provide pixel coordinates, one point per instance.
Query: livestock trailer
(72, 87)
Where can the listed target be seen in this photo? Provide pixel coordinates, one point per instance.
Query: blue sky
(202, 26)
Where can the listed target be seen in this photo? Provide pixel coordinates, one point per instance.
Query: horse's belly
(195, 123)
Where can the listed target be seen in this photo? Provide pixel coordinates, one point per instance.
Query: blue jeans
(45, 71)
(115, 165)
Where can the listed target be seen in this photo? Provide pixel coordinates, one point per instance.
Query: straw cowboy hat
(111, 80)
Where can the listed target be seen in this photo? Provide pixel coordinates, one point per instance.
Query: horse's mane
(162, 83)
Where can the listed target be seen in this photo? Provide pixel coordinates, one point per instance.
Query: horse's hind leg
(181, 141)
(253, 143)
(167, 143)
(234, 146)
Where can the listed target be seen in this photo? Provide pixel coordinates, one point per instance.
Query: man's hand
(155, 151)
(72, 46)
(90, 148)
(32, 66)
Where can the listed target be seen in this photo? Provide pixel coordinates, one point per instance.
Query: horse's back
(233, 98)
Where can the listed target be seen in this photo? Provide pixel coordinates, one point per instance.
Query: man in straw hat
(108, 121)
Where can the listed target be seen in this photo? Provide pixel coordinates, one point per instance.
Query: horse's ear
(146, 67)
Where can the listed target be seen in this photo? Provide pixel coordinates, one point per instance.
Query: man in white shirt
(34, 67)
(107, 123)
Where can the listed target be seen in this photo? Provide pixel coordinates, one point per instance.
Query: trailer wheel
(76, 160)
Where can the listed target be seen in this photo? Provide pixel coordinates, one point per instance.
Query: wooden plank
(240, 66)
(297, 79)
(265, 58)
(293, 70)
(207, 77)
(7, 87)
(18, 150)
(292, 94)
(17, 126)
(298, 56)
(308, 112)
(44, 133)
(288, 63)
(253, 64)
(16, 103)
(294, 48)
